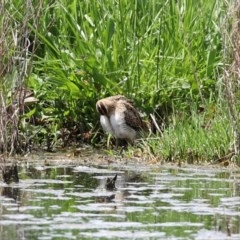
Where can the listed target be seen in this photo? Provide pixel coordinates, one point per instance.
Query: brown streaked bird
(119, 117)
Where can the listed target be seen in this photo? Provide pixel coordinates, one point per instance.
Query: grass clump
(199, 137)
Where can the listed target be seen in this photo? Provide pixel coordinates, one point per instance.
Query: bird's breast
(106, 125)
(120, 127)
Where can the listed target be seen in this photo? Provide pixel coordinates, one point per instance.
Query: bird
(120, 118)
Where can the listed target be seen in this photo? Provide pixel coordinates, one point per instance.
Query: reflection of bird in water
(109, 186)
(110, 183)
(119, 117)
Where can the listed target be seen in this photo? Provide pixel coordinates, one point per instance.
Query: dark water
(154, 202)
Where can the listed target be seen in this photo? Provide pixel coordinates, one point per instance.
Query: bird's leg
(123, 146)
(123, 143)
(108, 140)
(117, 142)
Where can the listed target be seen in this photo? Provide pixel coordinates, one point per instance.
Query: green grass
(199, 137)
(157, 52)
(163, 54)
(166, 55)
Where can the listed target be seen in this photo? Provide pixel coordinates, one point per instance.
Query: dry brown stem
(231, 44)
(17, 45)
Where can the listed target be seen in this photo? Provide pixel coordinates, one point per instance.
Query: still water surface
(150, 202)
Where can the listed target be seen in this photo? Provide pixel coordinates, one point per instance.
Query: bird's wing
(132, 117)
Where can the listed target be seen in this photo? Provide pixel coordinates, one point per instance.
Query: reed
(16, 48)
(231, 69)
(158, 52)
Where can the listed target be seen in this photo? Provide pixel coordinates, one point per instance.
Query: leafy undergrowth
(161, 54)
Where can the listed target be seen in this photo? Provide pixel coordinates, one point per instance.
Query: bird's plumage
(119, 117)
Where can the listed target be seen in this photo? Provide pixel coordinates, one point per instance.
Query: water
(69, 201)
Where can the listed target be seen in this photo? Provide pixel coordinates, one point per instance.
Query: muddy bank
(94, 157)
